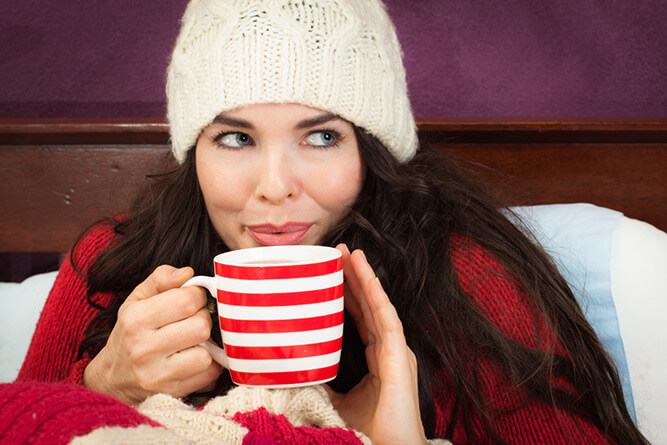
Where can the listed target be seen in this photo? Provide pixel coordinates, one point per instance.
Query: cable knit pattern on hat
(341, 56)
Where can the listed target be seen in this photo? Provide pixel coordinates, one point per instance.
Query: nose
(277, 180)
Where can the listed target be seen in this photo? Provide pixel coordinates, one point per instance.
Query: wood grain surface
(58, 176)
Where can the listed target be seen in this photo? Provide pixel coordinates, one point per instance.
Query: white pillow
(617, 268)
(20, 306)
(639, 288)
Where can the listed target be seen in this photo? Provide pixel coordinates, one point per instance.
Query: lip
(285, 234)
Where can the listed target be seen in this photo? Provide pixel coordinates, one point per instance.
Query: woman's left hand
(385, 404)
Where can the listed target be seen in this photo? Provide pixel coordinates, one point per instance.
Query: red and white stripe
(281, 332)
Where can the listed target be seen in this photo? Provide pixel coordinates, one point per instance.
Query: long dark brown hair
(403, 219)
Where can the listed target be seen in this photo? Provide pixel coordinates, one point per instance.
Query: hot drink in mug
(281, 314)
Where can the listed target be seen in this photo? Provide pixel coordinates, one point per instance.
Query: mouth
(286, 234)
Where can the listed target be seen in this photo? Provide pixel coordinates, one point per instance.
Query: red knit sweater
(61, 327)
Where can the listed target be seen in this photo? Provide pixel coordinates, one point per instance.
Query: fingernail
(177, 272)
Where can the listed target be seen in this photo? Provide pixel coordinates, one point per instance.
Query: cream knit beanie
(341, 56)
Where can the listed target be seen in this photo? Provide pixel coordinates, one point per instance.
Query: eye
(324, 138)
(233, 139)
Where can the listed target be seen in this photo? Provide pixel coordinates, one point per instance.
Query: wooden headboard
(57, 176)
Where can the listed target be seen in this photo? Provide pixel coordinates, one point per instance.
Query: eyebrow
(321, 119)
(307, 123)
(220, 119)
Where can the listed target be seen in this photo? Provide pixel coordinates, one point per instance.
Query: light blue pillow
(20, 306)
(579, 239)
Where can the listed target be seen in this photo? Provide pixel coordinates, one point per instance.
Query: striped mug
(281, 314)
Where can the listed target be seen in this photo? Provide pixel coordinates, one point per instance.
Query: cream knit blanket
(212, 424)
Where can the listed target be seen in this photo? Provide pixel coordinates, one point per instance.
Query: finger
(385, 317)
(171, 306)
(351, 280)
(352, 292)
(197, 382)
(163, 278)
(365, 276)
(329, 390)
(397, 361)
(186, 372)
(334, 397)
(183, 334)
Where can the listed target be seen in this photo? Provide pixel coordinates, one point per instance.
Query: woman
(291, 124)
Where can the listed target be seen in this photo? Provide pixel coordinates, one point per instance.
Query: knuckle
(214, 369)
(162, 270)
(149, 381)
(205, 315)
(159, 274)
(193, 299)
(182, 388)
(203, 358)
(128, 321)
(138, 355)
(185, 304)
(158, 279)
(201, 326)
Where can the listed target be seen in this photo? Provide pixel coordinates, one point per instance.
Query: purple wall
(70, 58)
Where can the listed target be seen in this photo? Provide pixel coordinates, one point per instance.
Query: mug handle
(217, 353)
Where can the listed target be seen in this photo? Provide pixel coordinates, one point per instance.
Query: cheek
(221, 187)
(338, 187)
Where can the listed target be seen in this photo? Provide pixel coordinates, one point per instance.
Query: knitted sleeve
(509, 307)
(52, 355)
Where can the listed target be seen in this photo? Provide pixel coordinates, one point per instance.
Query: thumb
(334, 396)
(163, 278)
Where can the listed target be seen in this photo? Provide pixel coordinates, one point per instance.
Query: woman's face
(276, 174)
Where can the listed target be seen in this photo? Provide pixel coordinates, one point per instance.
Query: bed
(58, 176)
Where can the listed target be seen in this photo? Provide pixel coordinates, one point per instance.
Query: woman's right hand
(154, 346)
